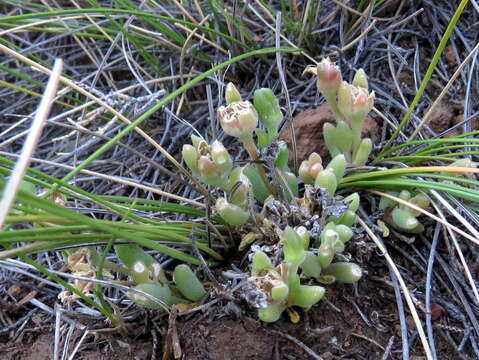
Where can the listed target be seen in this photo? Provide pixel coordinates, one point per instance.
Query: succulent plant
(149, 277)
(282, 285)
(302, 259)
(272, 183)
(350, 104)
(270, 115)
(160, 293)
(238, 119)
(187, 283)
(309, 169)
(330, 177)
(232, 94)
(212, 164)
(400, 216)
(232, 214)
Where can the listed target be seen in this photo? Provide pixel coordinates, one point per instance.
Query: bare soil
(350, 323)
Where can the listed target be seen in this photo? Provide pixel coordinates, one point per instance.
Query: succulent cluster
(282, 284)
(402, 217)
(300, 253)
(256, 126)
(212, 164)
(149, 278)
(350, 104)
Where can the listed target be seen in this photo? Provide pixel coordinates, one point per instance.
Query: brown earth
(344, 325)
(40, 347)
(328, 332)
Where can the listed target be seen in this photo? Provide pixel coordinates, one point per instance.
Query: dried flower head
(238, 119)
(211, 163)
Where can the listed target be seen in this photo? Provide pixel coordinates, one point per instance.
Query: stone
(308, 128)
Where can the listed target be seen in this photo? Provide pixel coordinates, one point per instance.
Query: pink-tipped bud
(210, 173)
(309, 169)
(238, 119)
(207, 167)
(329, 76)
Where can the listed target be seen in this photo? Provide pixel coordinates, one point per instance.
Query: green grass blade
(427, 77)
(105, 147)
(59, 211)
(400, 182)
(109, 11)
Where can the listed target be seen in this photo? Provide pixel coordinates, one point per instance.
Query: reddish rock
(308, 129)
(446, 116)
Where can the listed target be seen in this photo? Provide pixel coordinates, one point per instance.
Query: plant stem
(331, 100)
(356, 126)
(252, 150)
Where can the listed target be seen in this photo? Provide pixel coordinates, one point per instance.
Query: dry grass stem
(31, 142)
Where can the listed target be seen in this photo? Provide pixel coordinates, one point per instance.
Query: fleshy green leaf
(344, 272)
(188, 283)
